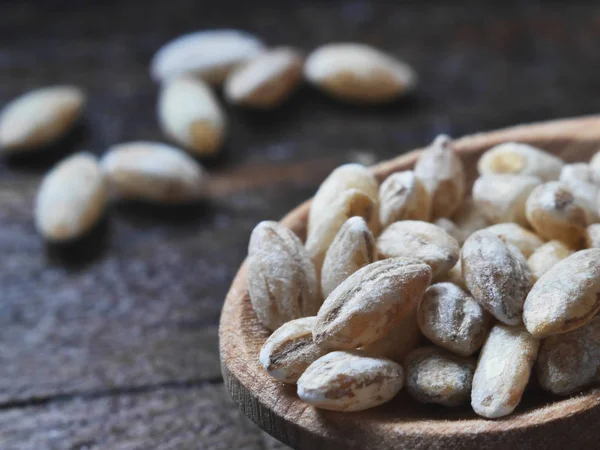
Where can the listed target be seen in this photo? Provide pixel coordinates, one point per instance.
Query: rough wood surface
(133, 310)
(167, 418)
(540, 421)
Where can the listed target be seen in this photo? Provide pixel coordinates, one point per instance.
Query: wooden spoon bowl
(541, 421)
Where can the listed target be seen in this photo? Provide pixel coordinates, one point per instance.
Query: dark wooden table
(112, 344)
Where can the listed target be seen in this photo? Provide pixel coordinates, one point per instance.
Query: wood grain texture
(540, 421)
(135, 307)
(194, 417)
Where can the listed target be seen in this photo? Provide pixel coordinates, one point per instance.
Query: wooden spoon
(541, 421)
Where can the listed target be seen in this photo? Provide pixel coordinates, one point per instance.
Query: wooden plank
(143, 311)
(184, 419)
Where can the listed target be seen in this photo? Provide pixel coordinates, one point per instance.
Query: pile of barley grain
(511, 274)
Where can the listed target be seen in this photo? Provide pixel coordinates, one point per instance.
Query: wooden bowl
(541, 421)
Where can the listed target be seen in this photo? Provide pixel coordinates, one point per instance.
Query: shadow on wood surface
(38, 161)
(78, 254)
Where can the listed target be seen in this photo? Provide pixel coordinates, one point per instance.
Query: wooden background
(112, 343)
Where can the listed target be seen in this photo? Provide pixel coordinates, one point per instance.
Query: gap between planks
(113, 392)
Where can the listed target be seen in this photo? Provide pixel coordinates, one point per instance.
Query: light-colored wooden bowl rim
(276, 409)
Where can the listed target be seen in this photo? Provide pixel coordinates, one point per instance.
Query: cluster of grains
(255, 76)
(73, 196)
(457, 299)
(191, 69)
